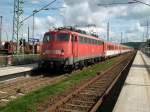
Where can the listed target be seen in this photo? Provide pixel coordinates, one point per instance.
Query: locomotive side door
(74, 47)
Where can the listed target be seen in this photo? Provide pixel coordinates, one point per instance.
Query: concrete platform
(16, 69)
(135, 94)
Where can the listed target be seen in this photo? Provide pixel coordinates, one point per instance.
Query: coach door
(75, 47)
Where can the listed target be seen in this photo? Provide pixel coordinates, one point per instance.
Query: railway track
(13, 90)
(89, 96)
(17, 88)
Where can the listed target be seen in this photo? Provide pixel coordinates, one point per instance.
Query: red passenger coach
(68, 48)
(112, 49)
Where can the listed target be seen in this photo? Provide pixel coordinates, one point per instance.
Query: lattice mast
(17, 20)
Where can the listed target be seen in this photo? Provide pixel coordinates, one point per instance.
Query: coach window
(81, 39)
(47, 38)
(97, 42)
(92, 41)
(63, 37)
(88, 40)
(85, 40)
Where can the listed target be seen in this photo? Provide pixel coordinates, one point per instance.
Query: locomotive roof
(76, 32)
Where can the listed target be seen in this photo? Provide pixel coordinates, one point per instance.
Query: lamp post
(121, 37)
(108, 28)
(34, 11)
(33, 27)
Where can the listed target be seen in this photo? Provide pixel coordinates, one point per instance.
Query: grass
(29, 102)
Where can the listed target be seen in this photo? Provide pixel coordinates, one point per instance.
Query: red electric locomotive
(68, 48)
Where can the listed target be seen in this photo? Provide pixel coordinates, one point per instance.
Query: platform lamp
(33, 30)
(34, 12)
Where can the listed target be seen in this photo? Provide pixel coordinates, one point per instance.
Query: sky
(129, 19)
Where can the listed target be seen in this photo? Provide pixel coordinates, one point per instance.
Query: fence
(18, 59)
(146, 50)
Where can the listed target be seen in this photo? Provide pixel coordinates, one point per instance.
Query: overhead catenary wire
(125, 3)
(141, 2)
(39, 10)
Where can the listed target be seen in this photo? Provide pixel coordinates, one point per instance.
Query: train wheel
(68, 69)
(81, 65)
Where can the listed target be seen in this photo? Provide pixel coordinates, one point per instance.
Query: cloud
(35, 1)
(123, 18)
(126, 18)
(135, 29)
(43, 24)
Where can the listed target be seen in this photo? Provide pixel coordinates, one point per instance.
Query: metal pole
(1, 17)
(13, 34)
(143, 36)
(147, 35)
(33, 33)
(18, 49)
(28, 34)
(147, 30)
(108, 31)
(121, 37)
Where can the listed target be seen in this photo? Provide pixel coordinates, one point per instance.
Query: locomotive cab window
(47, 38)
(63, 37)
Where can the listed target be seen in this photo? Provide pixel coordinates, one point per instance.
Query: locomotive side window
(81, 40)
(63, 37)
(100, 42)
(85, 40)
(47, 38)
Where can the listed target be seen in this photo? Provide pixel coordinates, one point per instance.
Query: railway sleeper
(79, 102)
(90, 91)
(12, 97)
(100, 87)
(96, 88)
(4, 100)
(96, 93)
(4, 96)
(99, 83)
(85, 98)
(76, 107)
(88, 94)
(68, 110)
